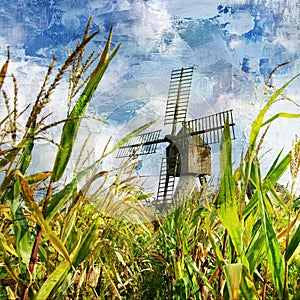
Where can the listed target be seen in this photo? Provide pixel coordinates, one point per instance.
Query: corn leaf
(26, 155)
(87, 244)
(69, 225)
(274, 174)
(53, 280)
(21, 229)
(5, 246)
(36, 212)
(71, 126)
(259, 121)
(293, 245)
(247, 288)
(273, 251)
(281, 115)
(205, 280)
(227, 203)
(233, 274)
(256, 252)
(278, 169)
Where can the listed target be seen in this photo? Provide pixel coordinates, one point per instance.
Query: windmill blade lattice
(142, 144)
(165, 190)
(178, 96)
(210, 128)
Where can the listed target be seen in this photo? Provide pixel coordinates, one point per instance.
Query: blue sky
(232, 44)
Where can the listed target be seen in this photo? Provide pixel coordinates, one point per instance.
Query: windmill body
(188, 153)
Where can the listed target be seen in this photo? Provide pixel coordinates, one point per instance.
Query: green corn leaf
(256, 252)
(271, 243)
(71, 126)
(247, 288)
(278, 168)
(251, 205)
(233, 274)
(294, 244)
(21, 229)
(87, 244)
(281, 115)
(6, 247)
(69, 225)
(188, 260)
(36, 212)
(27, 150)
(58, 200)
(53, 281)
(258, 122)
(273, 251)
(296, 204)
(275, 258)
(217, 251)
(227, 202)
(272, 191)
(274, 174)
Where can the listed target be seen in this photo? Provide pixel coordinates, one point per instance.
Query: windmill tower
(188, 152)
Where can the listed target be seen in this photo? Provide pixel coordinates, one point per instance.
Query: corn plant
(27, 223)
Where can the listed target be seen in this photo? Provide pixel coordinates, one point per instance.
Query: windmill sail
(142, 144)
(178, 96)
(210, 128)
(166, 184)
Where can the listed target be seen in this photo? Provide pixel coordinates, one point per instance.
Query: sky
(233, 46)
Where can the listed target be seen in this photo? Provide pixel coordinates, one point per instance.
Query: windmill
(188, 152)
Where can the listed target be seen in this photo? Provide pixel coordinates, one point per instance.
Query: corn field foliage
(240, 241)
